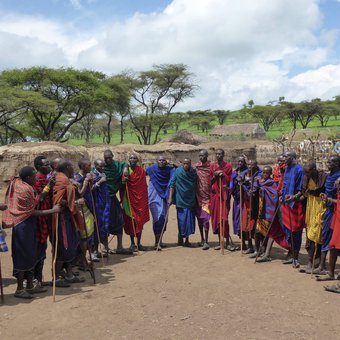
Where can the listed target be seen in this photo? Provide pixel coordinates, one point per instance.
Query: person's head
(252, 165)
(310, 169)
(333, 163)
(290, 157)
(66, 167)
(267, 172)
(108, 157)
(133, 160)
(99, 165)
(203, 156)
(27, 174)
(55, 163)
(162, 162)
(84, 165)
(42, 164)
(280, 160)
(219, 153)
(241, 162)
(186, 163)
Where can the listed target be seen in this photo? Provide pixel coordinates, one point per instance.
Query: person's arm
(170, 196)
(55, 209)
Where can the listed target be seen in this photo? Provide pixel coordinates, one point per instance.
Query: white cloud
(239, 50)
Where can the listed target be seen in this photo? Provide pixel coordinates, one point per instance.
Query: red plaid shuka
(20, 201)
(43, 222)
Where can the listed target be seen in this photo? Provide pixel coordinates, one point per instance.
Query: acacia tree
(71, 94)
(118, 104)
(156, 92)
(221, 115)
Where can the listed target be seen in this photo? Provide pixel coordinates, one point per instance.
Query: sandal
(333, 289)
(325, 278)
(230, 247)
(23, 294)
(75, 279)
(37, 290)
(264, 259)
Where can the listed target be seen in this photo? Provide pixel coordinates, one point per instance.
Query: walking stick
(241, 217)
(55, 255)
(97, 228)
(88, 248)
(163, 229)
(314, 255)
(133, 222)
(1, 286)
(267, 233)
(221, 227)
(251, 200)
(291, 234)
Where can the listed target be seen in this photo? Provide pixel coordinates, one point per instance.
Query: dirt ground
(178, 293)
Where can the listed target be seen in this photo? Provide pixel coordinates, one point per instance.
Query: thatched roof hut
(239, 130)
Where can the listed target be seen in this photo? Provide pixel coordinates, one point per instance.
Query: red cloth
(293, 218)
(335, 240)
(138, 197)
(43, 222)
(220, 204)
(278, 172)
(203, 189)
(20, 201)
(248, 223)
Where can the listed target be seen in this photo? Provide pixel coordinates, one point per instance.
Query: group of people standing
(79, 211)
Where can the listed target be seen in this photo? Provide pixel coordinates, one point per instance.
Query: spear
(241, 222)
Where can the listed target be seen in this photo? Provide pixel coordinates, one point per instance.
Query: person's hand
(80, 202)
(280, 199)
(218, 173)
(239, 179)
(3, 207)
(323, 197)
(125, 172)
(56, 208)
(289, 198)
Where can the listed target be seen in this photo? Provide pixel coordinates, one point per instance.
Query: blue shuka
(102, 203)
(158, 194)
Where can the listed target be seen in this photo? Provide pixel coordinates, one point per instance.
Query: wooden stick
(1, 286)
(133, 221)
(241, 216)
(267, 233)
(88, 247)
(97, 228)
(221, 227)
(163, 229)
(55, 255)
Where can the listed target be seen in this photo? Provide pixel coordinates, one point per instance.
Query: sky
(237, 50)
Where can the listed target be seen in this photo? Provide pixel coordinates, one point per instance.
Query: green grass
(277, 130)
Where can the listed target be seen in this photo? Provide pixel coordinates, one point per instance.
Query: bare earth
(178, 293)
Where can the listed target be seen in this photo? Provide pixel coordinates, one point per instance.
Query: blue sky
(238, 50)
